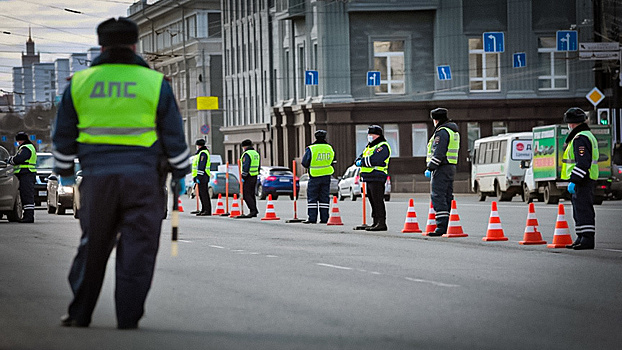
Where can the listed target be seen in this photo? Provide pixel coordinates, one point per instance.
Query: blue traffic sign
(204, 129)
(373, 78)
(493, 42)
(39, 141)
(520, 60)
(567, 40)
(3, 138)
(311, 77)
(444, 72)
(33, 137)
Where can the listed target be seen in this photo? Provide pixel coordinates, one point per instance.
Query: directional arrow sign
(311, 77)
(520, 60)
(567, 40)
(444, 72)
(373, 78)
(493, 42)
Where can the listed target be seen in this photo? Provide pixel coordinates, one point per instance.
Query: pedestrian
(374, 164)
(25, 162)
(121, 120)
(318, 158)
(441, 161)
(580, 167)
(250, 169)
(200, 176)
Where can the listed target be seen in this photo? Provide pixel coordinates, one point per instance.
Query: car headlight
(65, 189)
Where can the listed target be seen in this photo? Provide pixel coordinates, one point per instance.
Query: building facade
(270, 45)
(182, 39)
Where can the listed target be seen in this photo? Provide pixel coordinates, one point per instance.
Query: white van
(495, 168)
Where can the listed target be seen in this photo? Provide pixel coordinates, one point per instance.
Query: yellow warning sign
(595, 96)
(207, 103)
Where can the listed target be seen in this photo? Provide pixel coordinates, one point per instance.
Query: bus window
(503, 151)
(489, 148)
(482, 153)
(495, 152)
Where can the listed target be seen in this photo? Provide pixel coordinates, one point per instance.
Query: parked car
(10, 201)
(60, 198)
(218, 183)
(275, 180)
(350, 185)
(45, 162)
(304, 183)
(215, 161)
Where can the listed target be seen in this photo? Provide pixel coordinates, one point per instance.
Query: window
(389, 61)
(473, 133)
(392, 134)
(484, 68)
(499, 128)
(420, 139)
(553, 65)
(495, 152)
(361, 138)
(301, 72)
(214, 27)
(503, 150)
(481, 155)
(488, 156)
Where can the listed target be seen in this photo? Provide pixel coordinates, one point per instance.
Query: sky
(56, 32)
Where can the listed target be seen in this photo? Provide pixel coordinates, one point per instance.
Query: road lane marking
(184, 241)
(217, 246)
(237, 250)
(271, 256)
(440, 284)
(334, 266)
(611, 250)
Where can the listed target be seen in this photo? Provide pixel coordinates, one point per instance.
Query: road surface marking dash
(611, 250)
(335, 266)
(184, 241)
(217, 246)
(237, 250)
(375, 273)
(271, 256)
(440, 284)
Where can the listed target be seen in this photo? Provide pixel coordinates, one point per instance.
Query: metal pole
(295, 219)
(187, 75)
(241, 187)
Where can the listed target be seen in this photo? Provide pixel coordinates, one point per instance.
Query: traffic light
(603, 116)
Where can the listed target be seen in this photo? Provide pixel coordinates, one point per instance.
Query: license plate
(284, 179)
(43, 193)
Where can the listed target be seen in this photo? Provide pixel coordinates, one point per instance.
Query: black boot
(379, 226)
(575, 243)
(441, 227)
(587, 242)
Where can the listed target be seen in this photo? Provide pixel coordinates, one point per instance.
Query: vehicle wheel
(352, 196)
(60, 210)
(548, 198)
(210, 193)
(261, 193)
(387, 198)
(502, 196)
(598, 200)
(275, 197)
(18, 210)
(527, 197)
(340, 196)
(480, 196)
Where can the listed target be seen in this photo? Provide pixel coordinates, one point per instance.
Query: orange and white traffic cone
(220, 206)
(532, 235)
(181, 208)
(495, 231)
(270, 213)
(561, 236)
(455, 228)
(235, 207)
(335, 216)
(431, 224)
(411, 225)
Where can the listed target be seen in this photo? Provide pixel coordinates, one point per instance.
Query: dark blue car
(275, 180)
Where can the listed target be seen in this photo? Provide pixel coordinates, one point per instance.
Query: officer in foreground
(25, 162)
(121, 120)
(250, 169)
(580, 166)
(374, 164)
(318, 158)
(200, 175)
(441, 161)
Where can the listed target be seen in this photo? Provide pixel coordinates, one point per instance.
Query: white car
(304, 183)
(350, 185)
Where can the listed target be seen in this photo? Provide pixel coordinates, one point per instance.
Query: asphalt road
(251, 284)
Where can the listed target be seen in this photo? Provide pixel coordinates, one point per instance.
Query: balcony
(291, 9)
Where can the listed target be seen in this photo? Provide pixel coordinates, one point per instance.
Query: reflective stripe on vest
(452, 148)
(568, 160)
(117, 104)
(369, 151)
(30, 165)
(195, 164)
(254, 156)
(322, 156)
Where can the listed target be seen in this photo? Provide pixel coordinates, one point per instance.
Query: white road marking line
(335, 266)
(361, 270)
(237, 250)
(375, 273)
(249, 253)
(183, 241)
(217, 246)
(611, 250)
(271, 256)
(440, 284)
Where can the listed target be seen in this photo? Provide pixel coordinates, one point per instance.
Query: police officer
(441, 162)
(318, 158)
(374, 163)
(201, 175)
(580, 167)
(25, 162)
(250, 169)
(121, 120)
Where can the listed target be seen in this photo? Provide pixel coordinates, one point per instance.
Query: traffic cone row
(335, 216)
(270, 213)
(235, 207)
(220, 206)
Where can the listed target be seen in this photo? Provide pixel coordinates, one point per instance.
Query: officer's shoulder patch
(379, 149)
(437, 139)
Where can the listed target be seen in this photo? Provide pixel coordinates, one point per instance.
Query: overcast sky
(57, 33)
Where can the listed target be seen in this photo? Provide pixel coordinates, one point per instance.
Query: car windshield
(282, 172)
(45, 161)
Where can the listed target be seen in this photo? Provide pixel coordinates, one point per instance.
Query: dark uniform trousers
(583, 211)
(27, 193)
(375, 193)
(128, 213)
(206, 202)
(442, 188)
(318, 197)
(250, 182)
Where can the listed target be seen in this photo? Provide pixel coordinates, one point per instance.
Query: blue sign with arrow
(444, 72)
(520, 60)
(311, 77)
(373, 78)
(493, 42)
(567, 40)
